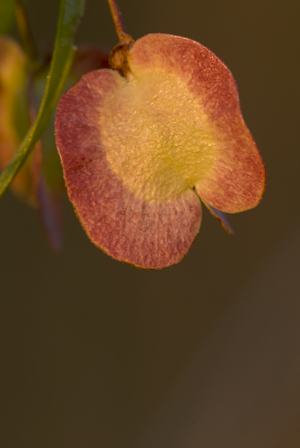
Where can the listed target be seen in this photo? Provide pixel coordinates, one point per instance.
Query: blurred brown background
(95, 353)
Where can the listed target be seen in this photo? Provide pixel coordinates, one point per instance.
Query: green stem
(69, 17)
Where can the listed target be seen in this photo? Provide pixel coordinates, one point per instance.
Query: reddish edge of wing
(148, 235)
(237, 179)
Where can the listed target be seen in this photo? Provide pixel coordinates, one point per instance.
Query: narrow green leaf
(69, 16)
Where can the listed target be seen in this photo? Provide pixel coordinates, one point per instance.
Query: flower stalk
(117, 18)
(118, 55)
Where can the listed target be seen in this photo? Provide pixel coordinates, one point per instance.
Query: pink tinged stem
(119, 25)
